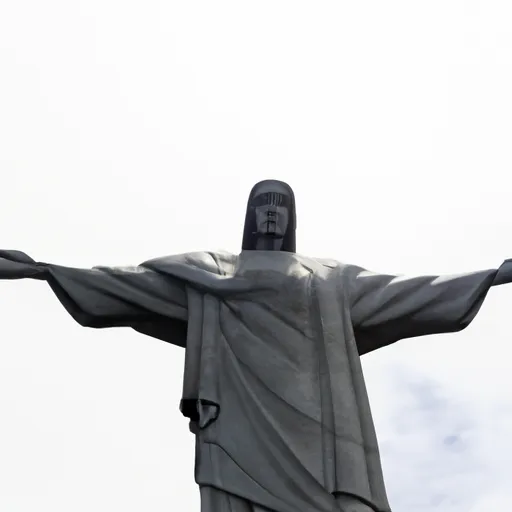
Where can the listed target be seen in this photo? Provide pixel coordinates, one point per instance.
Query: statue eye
(271, 199)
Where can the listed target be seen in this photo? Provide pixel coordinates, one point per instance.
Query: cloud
(439, 453)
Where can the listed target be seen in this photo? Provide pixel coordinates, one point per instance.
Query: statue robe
(273, 384)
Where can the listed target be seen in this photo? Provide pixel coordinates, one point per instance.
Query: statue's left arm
(387, 308)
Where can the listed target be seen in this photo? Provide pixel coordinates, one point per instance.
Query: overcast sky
(130, 130)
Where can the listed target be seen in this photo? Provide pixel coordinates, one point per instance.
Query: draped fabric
(273, 385)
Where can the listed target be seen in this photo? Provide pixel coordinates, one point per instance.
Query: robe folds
(273, 384)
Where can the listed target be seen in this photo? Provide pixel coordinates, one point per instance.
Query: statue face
(270, 220)
(271, 202)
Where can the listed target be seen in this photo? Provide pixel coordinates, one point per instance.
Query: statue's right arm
(136, 297)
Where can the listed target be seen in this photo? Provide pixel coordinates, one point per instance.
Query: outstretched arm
(136, 297)
(387, 308)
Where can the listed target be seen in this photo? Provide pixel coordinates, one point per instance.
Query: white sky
(130, 130)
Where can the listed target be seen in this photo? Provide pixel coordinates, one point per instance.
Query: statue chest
(289, 280)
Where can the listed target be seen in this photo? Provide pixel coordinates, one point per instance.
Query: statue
(273, 385)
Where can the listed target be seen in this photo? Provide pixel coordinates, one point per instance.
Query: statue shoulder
(218, 262)
(340, 270)
(327, 262)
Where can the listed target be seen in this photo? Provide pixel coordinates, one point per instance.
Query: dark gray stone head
(270, 220)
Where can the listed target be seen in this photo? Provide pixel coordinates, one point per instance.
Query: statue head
(270, 219)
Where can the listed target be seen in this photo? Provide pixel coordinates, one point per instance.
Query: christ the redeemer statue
(273, 384)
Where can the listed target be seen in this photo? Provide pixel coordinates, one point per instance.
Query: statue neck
(267, 243)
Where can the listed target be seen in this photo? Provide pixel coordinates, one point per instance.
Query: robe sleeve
(387, 308)
(137, 297)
